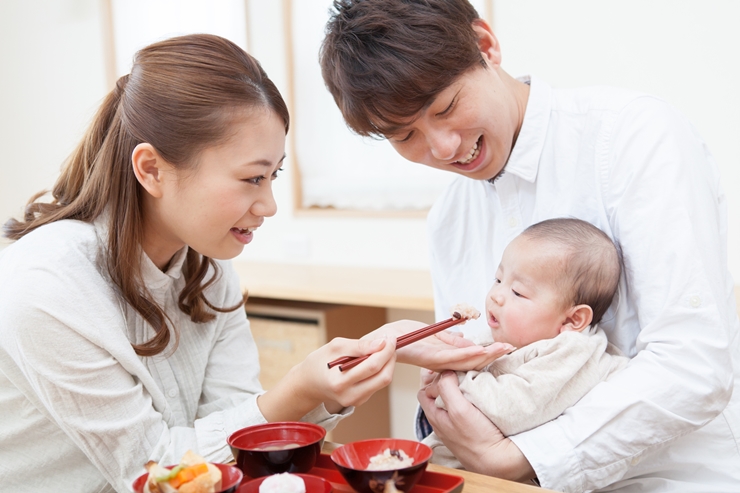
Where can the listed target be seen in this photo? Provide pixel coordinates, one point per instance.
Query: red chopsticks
(347, 362)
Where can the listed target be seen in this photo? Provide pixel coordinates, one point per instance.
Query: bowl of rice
(287, 483)
(378, 465)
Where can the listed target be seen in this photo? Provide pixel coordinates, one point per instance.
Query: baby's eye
(497, 280)
(515, 293)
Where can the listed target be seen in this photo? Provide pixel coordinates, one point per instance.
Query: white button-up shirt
(80, 411)
(636, 168)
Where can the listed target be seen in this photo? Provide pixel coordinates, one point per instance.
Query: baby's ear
(577, 318)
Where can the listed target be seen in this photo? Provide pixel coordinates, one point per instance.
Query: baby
(553, 285)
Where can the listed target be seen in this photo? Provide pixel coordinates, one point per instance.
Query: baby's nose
(497, 297)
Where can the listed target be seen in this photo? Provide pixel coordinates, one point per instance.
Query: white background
(52, 77)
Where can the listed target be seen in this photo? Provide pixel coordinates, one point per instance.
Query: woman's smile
(243, 235)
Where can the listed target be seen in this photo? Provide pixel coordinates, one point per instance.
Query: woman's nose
(443, 144)
(265, 205)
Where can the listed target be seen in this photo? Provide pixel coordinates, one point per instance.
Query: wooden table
(361, 286)
(474, 483)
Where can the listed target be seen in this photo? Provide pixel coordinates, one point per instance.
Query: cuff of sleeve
(213, 431)
(551, 455)
(326, 420)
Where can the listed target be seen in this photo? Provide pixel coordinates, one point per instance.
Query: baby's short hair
(592, 263)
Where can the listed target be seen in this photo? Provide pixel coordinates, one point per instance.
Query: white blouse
(81, 411)
(636, 168)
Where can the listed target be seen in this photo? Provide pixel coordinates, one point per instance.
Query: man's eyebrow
(457, 87)
(395, 128)
(429, 103)
(444, 111)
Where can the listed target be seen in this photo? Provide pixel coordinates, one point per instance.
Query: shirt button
(635, 460)
(695, 301)
(172, 392)
(512, 222)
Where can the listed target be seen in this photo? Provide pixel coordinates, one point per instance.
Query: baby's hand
(427, 377)
(433, 390)
(486, 355)
(494, 351)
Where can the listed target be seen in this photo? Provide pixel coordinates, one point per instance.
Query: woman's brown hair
(181, 96)
(385, 60)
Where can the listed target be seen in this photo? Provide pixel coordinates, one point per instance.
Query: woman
(122, 338)
(426, 74)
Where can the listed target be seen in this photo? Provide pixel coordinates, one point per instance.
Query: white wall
(372, 242)
(52, 77)
(684, 51)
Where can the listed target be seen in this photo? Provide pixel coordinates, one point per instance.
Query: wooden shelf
(287, 331)
(386, 288)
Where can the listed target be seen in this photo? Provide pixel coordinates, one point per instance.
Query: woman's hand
(311, 382)
(470, 435)
(451, 351)
(442, 351)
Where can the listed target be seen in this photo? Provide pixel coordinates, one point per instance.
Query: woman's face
(215, 206)
(471, 126)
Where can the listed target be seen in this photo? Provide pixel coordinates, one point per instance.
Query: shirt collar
(525, 156)
(154, 279)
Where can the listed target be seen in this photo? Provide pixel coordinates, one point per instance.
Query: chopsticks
(347, 362)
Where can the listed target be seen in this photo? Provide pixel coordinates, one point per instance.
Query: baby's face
(525, 305)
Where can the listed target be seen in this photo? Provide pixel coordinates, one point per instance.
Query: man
(426, 74)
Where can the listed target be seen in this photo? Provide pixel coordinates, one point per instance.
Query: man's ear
(487, 42)
(149, 168)
(578, 318)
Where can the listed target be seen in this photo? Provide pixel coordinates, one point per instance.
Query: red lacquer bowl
(272, 448)
(353, 459)
(230, 479)
(314, 484)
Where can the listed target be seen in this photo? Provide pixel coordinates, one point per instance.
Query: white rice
(389, 460)
(283, 483)
(466, 311)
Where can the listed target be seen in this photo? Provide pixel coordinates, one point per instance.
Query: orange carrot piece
(188, 474)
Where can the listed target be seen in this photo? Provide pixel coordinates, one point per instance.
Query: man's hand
(476, 442)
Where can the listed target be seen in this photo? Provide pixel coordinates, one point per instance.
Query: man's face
(471, 126)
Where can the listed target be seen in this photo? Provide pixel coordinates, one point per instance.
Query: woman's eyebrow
(265, 162)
